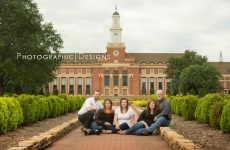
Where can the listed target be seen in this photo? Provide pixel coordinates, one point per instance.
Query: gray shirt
(165, 109)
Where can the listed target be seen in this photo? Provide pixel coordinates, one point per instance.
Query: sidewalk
(76, 140)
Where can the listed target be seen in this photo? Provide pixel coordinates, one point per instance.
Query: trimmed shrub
(201, 93)
(4, 115)
(192, 92)
(225, 119)
(140, 103)
(176, 104)
(189, 106)
(203, 107)
(29, 107)
(43, 107)
(215, 114)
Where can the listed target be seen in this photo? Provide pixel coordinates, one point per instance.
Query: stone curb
(45, 139)
(175, 140)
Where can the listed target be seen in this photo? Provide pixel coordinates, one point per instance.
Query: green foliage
(4, 115)
(55, 106)
(225, 119)
(201, 93)
(43, 109)
(189, 106)
(55, 92)
(175, 67)
(203, 107)
(215, 114)
(199, 76)
(206, 91)
(140, 103)
(192, 92)
(176, 104)
(29, 107)
(153, 96)
(22, 36)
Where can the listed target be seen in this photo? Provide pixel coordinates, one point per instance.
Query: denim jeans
(124, 126)
(94, 127)
(161, 121)
(111, 127)
(136, 129)
(86, 118)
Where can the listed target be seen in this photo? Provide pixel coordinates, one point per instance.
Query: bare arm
(90, 108)
(132, 119)
(115, 121)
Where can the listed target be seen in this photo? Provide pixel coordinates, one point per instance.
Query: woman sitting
(103, 120)
(145, 119)
(124, 116)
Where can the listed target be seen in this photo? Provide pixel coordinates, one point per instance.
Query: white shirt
(90, 102)
(121, 118)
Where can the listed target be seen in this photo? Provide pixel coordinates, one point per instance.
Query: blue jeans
(161, 121)
(111, 127)
(136, 129)
(94, 127)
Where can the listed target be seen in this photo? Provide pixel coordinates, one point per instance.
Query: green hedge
(203, 107)
(25, 109)
(225, 118)
(189, 106)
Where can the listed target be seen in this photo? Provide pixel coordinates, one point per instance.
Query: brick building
(116, 72)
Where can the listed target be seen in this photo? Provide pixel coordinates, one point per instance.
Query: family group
(97, 118)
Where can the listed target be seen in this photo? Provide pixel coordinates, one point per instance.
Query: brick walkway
(76, 140)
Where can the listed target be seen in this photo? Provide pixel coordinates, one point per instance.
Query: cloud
(164, 26)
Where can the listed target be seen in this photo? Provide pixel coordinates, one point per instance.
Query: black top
(101, 117)
(149, 119)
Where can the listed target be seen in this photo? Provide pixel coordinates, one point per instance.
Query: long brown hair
(148, 110)
(111, 110)
(127, 107)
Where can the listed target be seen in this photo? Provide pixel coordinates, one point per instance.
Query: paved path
(76, 140)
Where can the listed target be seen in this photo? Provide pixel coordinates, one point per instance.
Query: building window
(124, 78)
(88, 81)
(143, 85)
(151, 62)
(160, 71)
(143, 71)
(71, 71)
(224, 78)
(87, 71)
(115, 61)
(160, 63)
(115, 78)
(79, 85)
(79, 71)
(71, 63)
(106, 78)
(151, 71)
(160, 83)
(143, 62)
(71, 85)
(63, 63)
(63, 71)
(152, 91)
(224, 86)
(54, 85)
(63, 84)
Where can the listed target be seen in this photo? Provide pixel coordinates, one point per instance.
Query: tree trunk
(1, 85)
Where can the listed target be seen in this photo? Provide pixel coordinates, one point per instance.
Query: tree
(24, 37)
(176, 65)
(199, 77)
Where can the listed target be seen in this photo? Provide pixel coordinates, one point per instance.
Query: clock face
(115, 37)
(115, 53)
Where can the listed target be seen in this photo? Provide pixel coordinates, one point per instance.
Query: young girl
(145, 119)
(124, 116)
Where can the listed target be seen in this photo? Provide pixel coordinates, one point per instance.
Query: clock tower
(115, 47)
(115, 30)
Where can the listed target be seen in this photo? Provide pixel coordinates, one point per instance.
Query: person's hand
(107, 123)
(146, 126)
(117, 127)
(155, 119)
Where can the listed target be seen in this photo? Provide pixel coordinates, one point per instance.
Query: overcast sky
(149, 26)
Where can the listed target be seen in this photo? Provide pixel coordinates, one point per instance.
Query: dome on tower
(116, 13)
